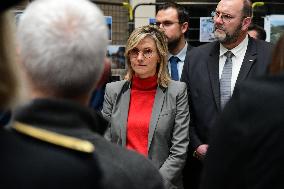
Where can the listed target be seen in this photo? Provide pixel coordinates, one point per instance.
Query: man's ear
(246, 22)
(184, 27)
(106, 73)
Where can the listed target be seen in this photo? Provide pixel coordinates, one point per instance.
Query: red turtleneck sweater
(140, 109)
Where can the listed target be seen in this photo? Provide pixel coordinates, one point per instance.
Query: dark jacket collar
(63, 116)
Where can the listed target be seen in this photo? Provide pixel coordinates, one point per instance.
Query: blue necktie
(174, 71)
(225, 81)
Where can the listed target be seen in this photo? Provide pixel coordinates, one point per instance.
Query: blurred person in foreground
(246, 149)
(62, 63)
(26, 162)
(148, 112)
(213, 70)
(257, 32)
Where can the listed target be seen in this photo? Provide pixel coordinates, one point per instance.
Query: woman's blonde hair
(9, 73)
(161, 44)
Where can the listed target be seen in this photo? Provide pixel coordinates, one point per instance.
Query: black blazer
(201, 74)
(27, 162)
(30, 163)
(248, 139)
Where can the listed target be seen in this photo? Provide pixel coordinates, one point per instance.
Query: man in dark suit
(211, 72)
(59, 142)
(173, 19)
(249, 134)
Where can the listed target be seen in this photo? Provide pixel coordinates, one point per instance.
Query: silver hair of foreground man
(70, 41)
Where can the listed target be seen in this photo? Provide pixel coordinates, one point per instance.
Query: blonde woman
(148, 112)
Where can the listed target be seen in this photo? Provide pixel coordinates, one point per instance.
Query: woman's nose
(140, 55)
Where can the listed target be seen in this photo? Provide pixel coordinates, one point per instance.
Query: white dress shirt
(181, 55)
(237, 60)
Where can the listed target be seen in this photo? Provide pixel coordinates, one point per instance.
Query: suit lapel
(213, 68)
(157, 108)
(124, 107)
(248, 61)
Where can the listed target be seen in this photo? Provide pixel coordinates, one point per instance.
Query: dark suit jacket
(201, 74)
(30, 163)
(119, 167)
(246, 148)
(189, 47)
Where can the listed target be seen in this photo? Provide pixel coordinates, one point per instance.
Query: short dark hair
(183, 15)
(261, 34)
(247, 8)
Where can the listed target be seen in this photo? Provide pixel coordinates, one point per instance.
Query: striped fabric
(225, 81)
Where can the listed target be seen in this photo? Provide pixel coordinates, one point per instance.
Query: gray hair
(63, 44)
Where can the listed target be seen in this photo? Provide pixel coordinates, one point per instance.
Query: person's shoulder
(260, 94)
(207, 45)
(204, 48)
(24, 133)
(189, 47)
(116, 86)
(129, 165)
(264, 85)
(262, 45)
(176, 87)
(119, 154)
(29, 154)
(259, 104)
(116, 83)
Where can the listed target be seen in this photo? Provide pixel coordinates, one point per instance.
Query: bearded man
(173, 19)
(212, 71)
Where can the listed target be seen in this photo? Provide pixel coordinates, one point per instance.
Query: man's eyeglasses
(226, 18)
(134, 53)
(166, 23)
